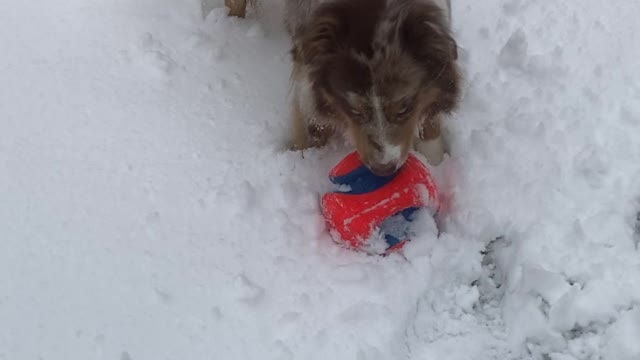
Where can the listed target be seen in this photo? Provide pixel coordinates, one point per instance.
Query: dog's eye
(402, 114)
(403, 111)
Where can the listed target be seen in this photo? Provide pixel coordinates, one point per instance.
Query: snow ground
(148, 211)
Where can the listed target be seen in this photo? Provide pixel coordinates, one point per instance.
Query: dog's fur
(238, 8)
(382, 71)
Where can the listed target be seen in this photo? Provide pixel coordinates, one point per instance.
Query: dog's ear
(425, 34)
(321, 38)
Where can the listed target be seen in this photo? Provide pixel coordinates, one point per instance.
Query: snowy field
(148, 211)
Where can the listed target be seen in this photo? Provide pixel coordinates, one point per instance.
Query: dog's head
(382, 69)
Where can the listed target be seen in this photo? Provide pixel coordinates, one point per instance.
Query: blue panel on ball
(361, 181)
(396, 227)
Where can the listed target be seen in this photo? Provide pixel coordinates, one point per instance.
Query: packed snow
(149, 209)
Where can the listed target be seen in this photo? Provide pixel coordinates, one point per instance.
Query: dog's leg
(298, 137)
(305, 133)
(236, 7)
(430, 142)
(306, 129)
(445, 5)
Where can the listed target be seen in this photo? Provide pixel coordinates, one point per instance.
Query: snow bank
(149, 212)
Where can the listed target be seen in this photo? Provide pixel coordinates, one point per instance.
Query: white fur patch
(390, 153)
(378, 113)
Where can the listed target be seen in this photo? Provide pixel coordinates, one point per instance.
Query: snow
(149, 211)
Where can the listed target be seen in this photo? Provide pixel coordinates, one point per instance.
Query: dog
(382, 72)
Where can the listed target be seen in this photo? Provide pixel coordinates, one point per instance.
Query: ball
(373, 213)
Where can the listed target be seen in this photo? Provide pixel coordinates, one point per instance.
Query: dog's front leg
(236, 7)
(305, 132)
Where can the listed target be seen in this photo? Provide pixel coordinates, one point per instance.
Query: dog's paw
(314, 138)
(289, 144)
(292, 145)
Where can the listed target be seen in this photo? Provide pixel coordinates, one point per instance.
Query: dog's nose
(383, 169)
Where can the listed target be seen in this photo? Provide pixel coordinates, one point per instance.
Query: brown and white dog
(382, 71)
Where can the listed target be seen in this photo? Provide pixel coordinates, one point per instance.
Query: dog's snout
(383, 169)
